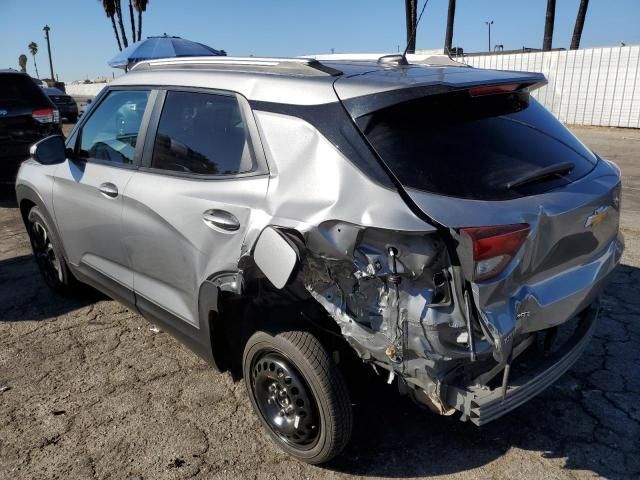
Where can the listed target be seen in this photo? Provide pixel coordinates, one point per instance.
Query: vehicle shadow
(8, 197)
(24, 296)
(589, 420)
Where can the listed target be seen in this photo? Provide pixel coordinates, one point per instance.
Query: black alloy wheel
(47, 254)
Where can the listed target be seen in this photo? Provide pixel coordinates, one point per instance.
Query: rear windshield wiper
(542, 174)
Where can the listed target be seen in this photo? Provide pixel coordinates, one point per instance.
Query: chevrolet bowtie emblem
(598, 215)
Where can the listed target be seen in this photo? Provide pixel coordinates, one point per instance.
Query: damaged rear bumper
(481, 404)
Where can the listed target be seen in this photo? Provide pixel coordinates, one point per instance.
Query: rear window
(53, 91)
(475, 147)
(20, 90)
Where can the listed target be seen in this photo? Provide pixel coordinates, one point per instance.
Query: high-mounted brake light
(494, 247)
(46, 115)
(493, 89)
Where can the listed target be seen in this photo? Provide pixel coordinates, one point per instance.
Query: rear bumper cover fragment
(482, 405)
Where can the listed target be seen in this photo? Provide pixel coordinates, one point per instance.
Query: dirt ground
(89, 390)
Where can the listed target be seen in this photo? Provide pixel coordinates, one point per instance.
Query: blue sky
(83, 40)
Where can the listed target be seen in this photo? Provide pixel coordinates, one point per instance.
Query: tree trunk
(139, 25)
(120, 24)
(115, 31)
(35, 65)
(133, 24)
(548, 25)
(577, 31)
(451, 14)
(411, 10)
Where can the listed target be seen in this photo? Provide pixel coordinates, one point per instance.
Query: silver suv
(280, 216)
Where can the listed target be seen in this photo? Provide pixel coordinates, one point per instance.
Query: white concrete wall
(85, 90)
(592, 86)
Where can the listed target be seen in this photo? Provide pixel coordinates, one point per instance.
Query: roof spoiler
(366, 104)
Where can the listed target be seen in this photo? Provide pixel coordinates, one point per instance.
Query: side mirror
(49, 151)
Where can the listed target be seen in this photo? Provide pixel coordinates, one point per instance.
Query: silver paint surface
(152, 237)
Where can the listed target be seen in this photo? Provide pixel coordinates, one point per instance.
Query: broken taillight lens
(494, 247)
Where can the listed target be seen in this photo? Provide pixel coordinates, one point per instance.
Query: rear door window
(202, 134)
(475, 147)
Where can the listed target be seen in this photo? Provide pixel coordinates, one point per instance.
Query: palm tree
(577, 31)
(109, 7)
(22, 61)
(140, 6)
(448, 39)
(120, 23)
(33, 48)
(548, 25)
(411, 10)
(133, 23)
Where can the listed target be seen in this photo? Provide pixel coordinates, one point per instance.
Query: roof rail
(388, 59)
(292, 66)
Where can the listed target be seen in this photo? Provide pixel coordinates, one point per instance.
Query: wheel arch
(28, 198)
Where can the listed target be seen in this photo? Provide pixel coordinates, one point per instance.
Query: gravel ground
(89, 390)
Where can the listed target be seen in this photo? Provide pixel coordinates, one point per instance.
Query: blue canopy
(161, 47)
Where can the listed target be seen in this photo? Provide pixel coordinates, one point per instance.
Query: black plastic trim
(196, 339)
(482, 406)
(105, 284)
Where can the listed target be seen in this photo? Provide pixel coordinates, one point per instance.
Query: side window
(202, 133)
(111, 133)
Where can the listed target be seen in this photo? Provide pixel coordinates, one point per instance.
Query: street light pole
(489, 23)
(46, 35)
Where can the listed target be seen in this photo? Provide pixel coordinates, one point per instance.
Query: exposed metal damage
(392, 296)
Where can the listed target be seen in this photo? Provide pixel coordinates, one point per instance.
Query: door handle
(221, 219)
(108, 189)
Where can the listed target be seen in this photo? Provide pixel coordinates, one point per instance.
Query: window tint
(203, 134)
(460, 146)
(111, 133)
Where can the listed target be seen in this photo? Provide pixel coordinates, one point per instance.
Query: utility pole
(488, 24)
(46, 35)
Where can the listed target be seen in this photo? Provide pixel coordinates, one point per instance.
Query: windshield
(475, 147)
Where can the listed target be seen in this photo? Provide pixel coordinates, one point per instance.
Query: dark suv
(26, 116)
(64, 103)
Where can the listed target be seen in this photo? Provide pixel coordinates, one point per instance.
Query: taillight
(493, 89)
(46, 115)
(494, 247)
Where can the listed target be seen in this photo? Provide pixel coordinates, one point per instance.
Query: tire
(291, 379)
(48, 254)
(72, 118)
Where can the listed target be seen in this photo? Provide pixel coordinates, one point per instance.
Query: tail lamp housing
(494, 247)
(46, 115)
